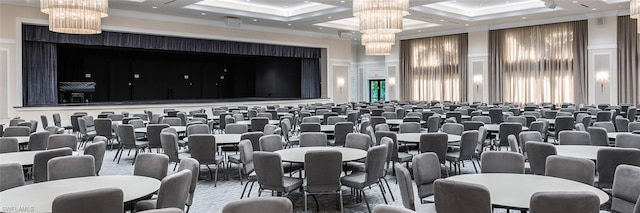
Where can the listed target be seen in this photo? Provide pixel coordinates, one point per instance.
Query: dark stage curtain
(310, 78)
(39, 73)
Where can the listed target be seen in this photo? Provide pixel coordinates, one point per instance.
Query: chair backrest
(9, 145)
(269, 129)
(358, 141)
(574, 138)
(626, 189)
(539, 126)
(434, 142)
(384, 208)
(527, 136)
(172, 121)
(126, 135)
(203, 148)
(374, 163)
(104, 200)
(406, 186)
(153, 134)
(38, 141)
(62, 140)
(308, 139)
(254, 137)
(260, 204)
(236, 128)
(310, 127)
(564, 123)
(272, 143)
(456, 115)
(576, 169)
(606, 125)
(390, 115)
(12, 176)
(461, 197)
(16, 131)
(495, 115)
(382, 127)
(472, 125)
(246, 155)
(153, 165)
(603, 116)
(634, 126)
(628, 141)
(537, 153)
(322, 170)
(341, 131)
(64, 167)
(40, 160)
(96, 149)
(508, 128)
(433, 123)
(268, 168)
(169, 143)
(192, 165)
(517, 119)
(565, 202)
(610, 158)
(622, 124)
(468, 143)
(409, 127)
(483, 119)
(198, 129)
(174, 190)
(45, 122)
(426, 170)
(453, 128)
(502, 162)
(598, 136)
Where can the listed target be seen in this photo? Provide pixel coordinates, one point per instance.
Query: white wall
(338, 52)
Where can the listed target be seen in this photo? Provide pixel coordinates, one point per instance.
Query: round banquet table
(327, 128)
(274, 122)
(612, 135)
(579, 151)
(398, 121)
(223, 139)
(415, 137)
(496, 127)
(515, 190)
(24, 158)
(296, 155)
(21, 139)
(38, 197)
(178, 129)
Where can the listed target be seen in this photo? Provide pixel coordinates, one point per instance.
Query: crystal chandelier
(379, 21)
(75, 16)
(634, 11)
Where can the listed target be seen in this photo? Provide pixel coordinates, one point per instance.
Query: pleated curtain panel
(544, 63)
(628, 78)
(434, 68)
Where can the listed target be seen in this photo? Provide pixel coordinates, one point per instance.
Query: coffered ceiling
(332, 16)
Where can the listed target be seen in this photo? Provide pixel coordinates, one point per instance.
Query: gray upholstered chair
(258, 123)
(606, 125)
(96, 149)
(628, 141)
(426, 169)
(236, 128)
(199, 129)
(369, 131)
(574, 138)
(9, 145)
(40, 160)
(11, 175)
(483, 119)
(513, 143)
(71, 167)
(308, 139)
(537, 153)
(610, 158)
(571, 168)
(311, 120)
(634, 126)
(173, 192)
(172, 121)
(271, 143)
(409, 127)
(358, 141)
(374, 171)
(598, 136)
(268, 168)
(335, 119)
(105, 200)
(104, 128)
(565, 202)
(517, 119)
(436, 143)
(406, 190)
(340, 133)
(128, 140)
(502, 162)
(169, 143)
(467, 151)
(203, 149)
(254, 137)
(269, 129)
(322, 172)
(461, 197)
(453, 128)
(151, 165)
(153, 134)
(472, 125)
(382, 127)
(62, 140)
(260, 204)
(433, 123)
(506, 129)
(622, 124)
(383, 208)
(310, 127)
(626, 190)
(38, 141)
(247, 167)
(496, 115)
(192, 165)
(527, 136)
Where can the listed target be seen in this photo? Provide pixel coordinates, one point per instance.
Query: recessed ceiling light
(306, 1)
(466, 25)
(319, 28)
(524, 17)
(154, 7)
(289, 24)
(203, 14)
(594, 8)
(355, 39)
(342, 1)
(441, 19)
(255, 19)
(419, 31)
(329, 17)
(575, 2)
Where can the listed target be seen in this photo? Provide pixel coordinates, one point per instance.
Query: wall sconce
(477, 80)
(392, 82)
(602, 78)
(340, 83)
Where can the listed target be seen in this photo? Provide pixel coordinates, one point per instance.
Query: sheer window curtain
(545, 63)
(628, 89)
(434, 68)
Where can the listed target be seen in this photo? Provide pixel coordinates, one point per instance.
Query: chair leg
(474, 165)
(364, 195)
(305, 201)
(382, 191)
(215, 180)
(316, 200)
(341, 203)
(240, 173)
(134, 156)
(389, 188)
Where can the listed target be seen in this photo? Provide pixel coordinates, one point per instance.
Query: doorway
(377, 90)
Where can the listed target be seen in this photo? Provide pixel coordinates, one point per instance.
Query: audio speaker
(233, 21)
(600, 21)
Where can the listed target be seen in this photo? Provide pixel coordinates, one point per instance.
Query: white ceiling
(331, 16)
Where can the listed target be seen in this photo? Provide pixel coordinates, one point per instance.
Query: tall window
(434, 68)
(537, 64)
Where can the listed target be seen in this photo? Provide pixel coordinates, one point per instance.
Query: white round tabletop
(222, 139)
(327, 128)
(120, 122)
(321, 117)
(177, 128)
(579, 151)
(24, 158)
(274, 122)
(38, 197)
(496, 127)
(415, 137)
(398, 121)
(515, 190)
(296, 155)
(612, 135)
(21, 139)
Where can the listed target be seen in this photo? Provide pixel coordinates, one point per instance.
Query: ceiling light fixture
(75, 16)
(377, 49)
(379, 21)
